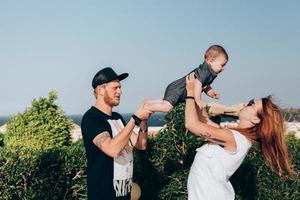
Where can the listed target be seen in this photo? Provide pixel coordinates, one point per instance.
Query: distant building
(3, 128)
(293, 127)
(75, 133)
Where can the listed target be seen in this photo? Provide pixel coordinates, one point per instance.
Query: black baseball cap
(106, 75)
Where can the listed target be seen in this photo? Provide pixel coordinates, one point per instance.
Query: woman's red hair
(269, 134)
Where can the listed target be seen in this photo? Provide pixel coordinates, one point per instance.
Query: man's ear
(255, 120)
(100, 90)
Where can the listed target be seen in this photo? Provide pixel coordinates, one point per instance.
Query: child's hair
(215, 51)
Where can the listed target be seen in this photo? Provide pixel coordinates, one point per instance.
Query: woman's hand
(190, 84)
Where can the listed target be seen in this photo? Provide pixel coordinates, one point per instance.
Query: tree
(41, 126)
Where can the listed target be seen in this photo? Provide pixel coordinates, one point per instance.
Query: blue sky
(59, 45)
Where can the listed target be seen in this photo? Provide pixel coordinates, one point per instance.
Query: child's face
(217, 64)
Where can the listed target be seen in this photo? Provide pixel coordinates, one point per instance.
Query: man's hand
(142, 113)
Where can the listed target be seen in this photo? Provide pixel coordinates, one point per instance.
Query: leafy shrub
(167, 160)
(162, 170)
(43, 174)
(41, 126)
(37, 160)
(255, 180)
(1, 140)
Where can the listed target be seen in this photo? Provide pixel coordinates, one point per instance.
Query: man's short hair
(215, 51)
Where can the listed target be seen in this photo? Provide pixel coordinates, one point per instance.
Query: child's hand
(213, 94)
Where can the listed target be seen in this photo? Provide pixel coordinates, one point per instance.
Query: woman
(259, 121)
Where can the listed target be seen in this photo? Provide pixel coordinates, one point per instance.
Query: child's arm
(211, 92)
(198, 93)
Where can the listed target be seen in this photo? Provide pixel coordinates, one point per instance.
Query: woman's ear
(255, 120)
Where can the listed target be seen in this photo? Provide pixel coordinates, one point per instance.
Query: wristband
(137, 120)
(190, 97)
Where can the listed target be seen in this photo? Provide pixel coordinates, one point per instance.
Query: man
(109, 142)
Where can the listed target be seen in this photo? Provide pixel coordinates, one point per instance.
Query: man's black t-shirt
(107, 178)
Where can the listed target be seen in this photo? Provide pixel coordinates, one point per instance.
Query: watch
(143, 131)
(137, 121)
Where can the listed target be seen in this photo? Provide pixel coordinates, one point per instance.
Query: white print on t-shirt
(122, 187)
(123, 164)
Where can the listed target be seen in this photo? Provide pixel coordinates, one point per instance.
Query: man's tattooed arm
(101, 138)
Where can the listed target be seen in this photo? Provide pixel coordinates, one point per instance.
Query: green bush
(57, 173)
(254, 180)
(41, 126)
(37, 160)
(162, 170)
(1, 140)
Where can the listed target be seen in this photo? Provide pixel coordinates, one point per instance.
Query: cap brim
(122, 76)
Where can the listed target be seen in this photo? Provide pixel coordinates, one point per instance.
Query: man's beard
(110, 101)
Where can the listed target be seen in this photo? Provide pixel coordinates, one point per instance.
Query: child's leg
(155, 101)
(158, 105)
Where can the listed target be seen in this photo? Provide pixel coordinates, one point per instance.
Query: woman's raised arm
(213, 134)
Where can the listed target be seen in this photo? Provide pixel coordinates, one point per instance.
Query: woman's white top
(212, 168)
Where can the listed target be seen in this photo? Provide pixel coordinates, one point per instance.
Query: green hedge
(162, 170)
(43, 174)
(37, 160)
(58, 172)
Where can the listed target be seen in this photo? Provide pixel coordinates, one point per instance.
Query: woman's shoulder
(242, 142)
